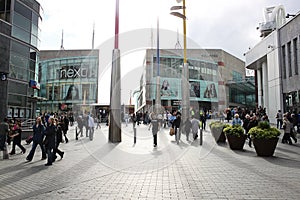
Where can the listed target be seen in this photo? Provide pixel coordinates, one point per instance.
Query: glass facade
(69, 82)
(23, 17)
(203, 79)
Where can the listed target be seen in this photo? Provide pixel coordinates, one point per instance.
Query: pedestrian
(203, 120)
(294, 121)
(187, 128)
(154, 124)
(79, 126)
(246, 122)
(59, 139)
(133, 119)
(50, 139)
(65, 127)
(279, 118)
(4, 130)
(228, 114)
(126, 119)
(71, 119)
(195, 127)
(91, 126)
(253, 122)
(17, 138)
(236, 120)
(176, 126)
(98, 121)
(86, 123)
(38, 137)
(287, 126)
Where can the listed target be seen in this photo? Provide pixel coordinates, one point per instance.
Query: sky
(222, 24)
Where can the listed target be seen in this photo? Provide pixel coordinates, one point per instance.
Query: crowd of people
(49, 130)
(289, 122)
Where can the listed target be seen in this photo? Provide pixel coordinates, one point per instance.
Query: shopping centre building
(69, 80)
(275, 60)
(217, 80)
(19, 57)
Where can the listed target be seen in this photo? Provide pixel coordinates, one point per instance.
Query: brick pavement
(101, 170)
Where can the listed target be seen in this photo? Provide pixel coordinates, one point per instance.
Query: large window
(283, 61)
(289, 58)
(295, 53)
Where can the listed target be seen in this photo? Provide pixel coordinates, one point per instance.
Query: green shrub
(264, 130)
(217, 126)
(234, 130)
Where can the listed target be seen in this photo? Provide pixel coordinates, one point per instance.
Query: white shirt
(91, 122)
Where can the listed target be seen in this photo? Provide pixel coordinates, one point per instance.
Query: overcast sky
(225, 24)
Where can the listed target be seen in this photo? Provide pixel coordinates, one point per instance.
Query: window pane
(19, 61)
(21, 34)
(35, 19)
(21, 21)
(19, 48)
(22, 10)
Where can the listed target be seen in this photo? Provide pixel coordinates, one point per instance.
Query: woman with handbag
(38, 136)
(17, 138)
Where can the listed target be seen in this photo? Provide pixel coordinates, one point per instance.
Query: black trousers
(155, 139)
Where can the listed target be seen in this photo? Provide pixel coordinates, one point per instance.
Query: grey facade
(276, 63)
(19, 54)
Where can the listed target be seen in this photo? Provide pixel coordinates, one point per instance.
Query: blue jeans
(32, 151)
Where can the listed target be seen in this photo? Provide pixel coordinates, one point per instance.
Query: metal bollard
(134, 135)
(201, 136)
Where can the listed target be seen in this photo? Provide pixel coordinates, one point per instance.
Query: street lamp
(185, 103)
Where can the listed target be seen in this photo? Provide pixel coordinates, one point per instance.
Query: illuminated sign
(76, 71)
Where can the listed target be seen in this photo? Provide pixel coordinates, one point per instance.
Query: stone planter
(265, 147)
(219, 135)
(235, 142)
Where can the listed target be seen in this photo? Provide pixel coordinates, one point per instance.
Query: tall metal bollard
(201, 136)
(134, 135)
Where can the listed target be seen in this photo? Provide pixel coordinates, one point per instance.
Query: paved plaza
(101, 170)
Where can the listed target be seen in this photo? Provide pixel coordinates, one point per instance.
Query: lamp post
(115, 88)
(158, 99)
(185, 103)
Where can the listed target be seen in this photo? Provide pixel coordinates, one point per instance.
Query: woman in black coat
(59, 139)
(176, 126)
(38, 137)
(50, 140)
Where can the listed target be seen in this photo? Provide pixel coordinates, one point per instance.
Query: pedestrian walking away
(154, 124)
(195, 127)
(37, 139)
(91, 127)
(17, 137)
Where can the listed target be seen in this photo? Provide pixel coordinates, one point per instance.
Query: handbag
(172, 131)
